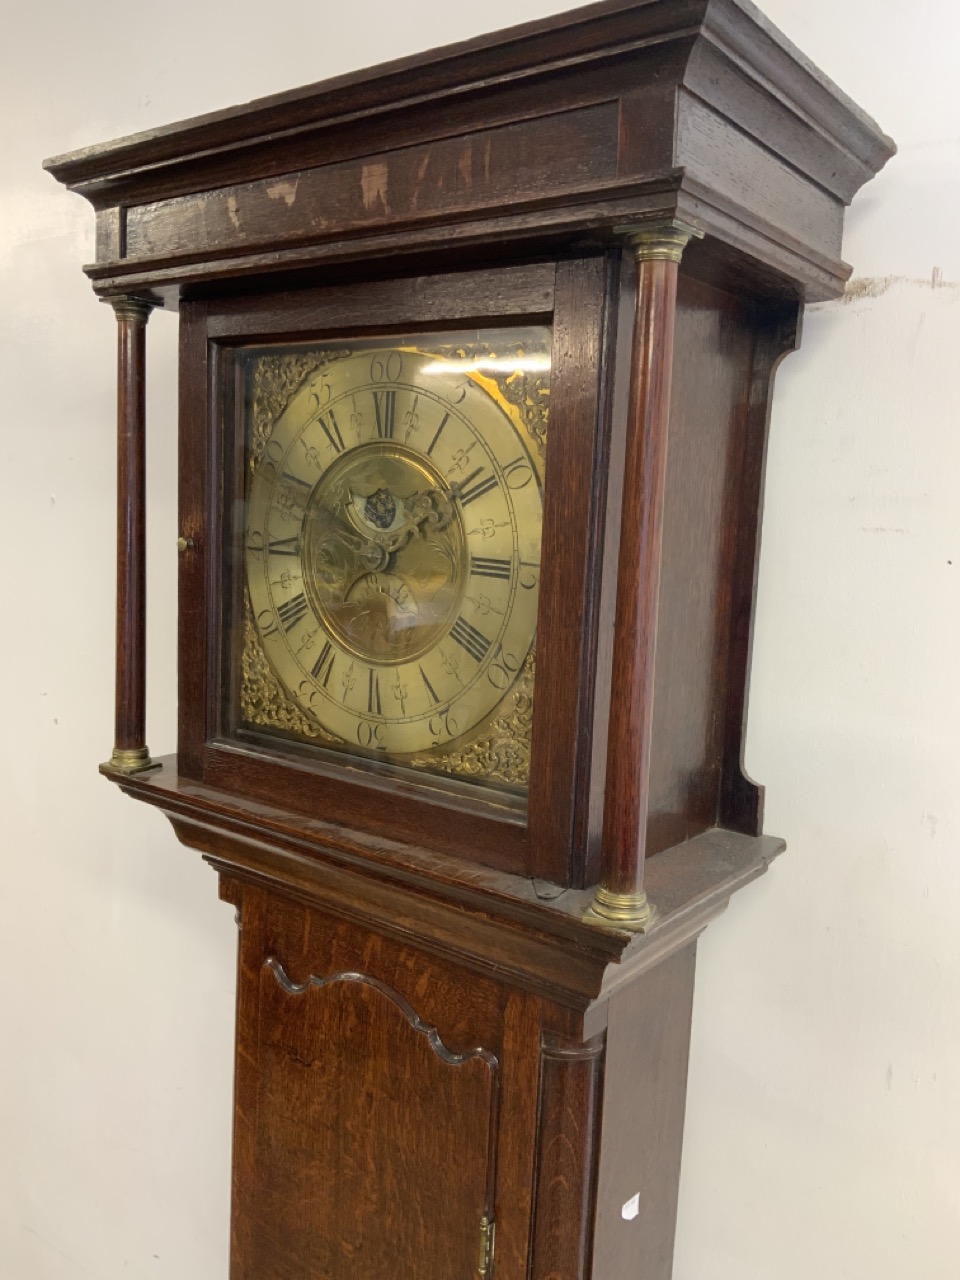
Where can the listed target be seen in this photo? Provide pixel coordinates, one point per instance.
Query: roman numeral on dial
(443, 423)
(431, 692)
(385, 406)
(292, 611)
(469, 638)
(484, 567)
(324, 664)
(331, 430)
(373, 695)
(468, 493)
(283, 547)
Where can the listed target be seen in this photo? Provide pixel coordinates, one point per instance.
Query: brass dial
(392, 549)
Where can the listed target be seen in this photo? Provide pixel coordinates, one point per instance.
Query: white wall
(824, 1114)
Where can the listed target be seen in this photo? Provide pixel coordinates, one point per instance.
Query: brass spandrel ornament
(499, 751)
(520, 378)
(392, 550)
(275, 380)
(263, 700)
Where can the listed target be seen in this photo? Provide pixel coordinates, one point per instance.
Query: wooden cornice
(580, 38)
(558, 130)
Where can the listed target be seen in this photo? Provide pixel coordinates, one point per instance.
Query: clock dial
(392, 548)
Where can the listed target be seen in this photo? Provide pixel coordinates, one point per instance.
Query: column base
(632, 911)
(131, 760)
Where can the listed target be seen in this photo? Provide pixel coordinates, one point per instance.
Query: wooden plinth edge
(531, 932)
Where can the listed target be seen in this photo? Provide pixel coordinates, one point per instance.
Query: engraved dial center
(384, 553)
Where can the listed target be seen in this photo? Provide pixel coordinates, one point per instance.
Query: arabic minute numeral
(386, 367)
(321, 393)
(529, 574)
(266, 623)
(443, 726)
(370, 736)
(503, 669)
(518, 473)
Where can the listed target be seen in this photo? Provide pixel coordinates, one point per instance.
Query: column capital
(127, 306)
(659, 241)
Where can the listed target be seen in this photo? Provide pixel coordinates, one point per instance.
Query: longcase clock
(476, 352)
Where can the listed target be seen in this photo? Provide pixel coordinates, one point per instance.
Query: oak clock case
(476, 363)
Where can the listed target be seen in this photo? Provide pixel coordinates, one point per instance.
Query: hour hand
(430, 511)
(433, 508)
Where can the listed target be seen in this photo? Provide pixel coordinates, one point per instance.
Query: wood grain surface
(131, 625)
(645, 1090)
(563, 128)
(630, 731)
(568, 1133)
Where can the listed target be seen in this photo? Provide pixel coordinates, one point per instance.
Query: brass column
(130, 751)
(620, 897)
